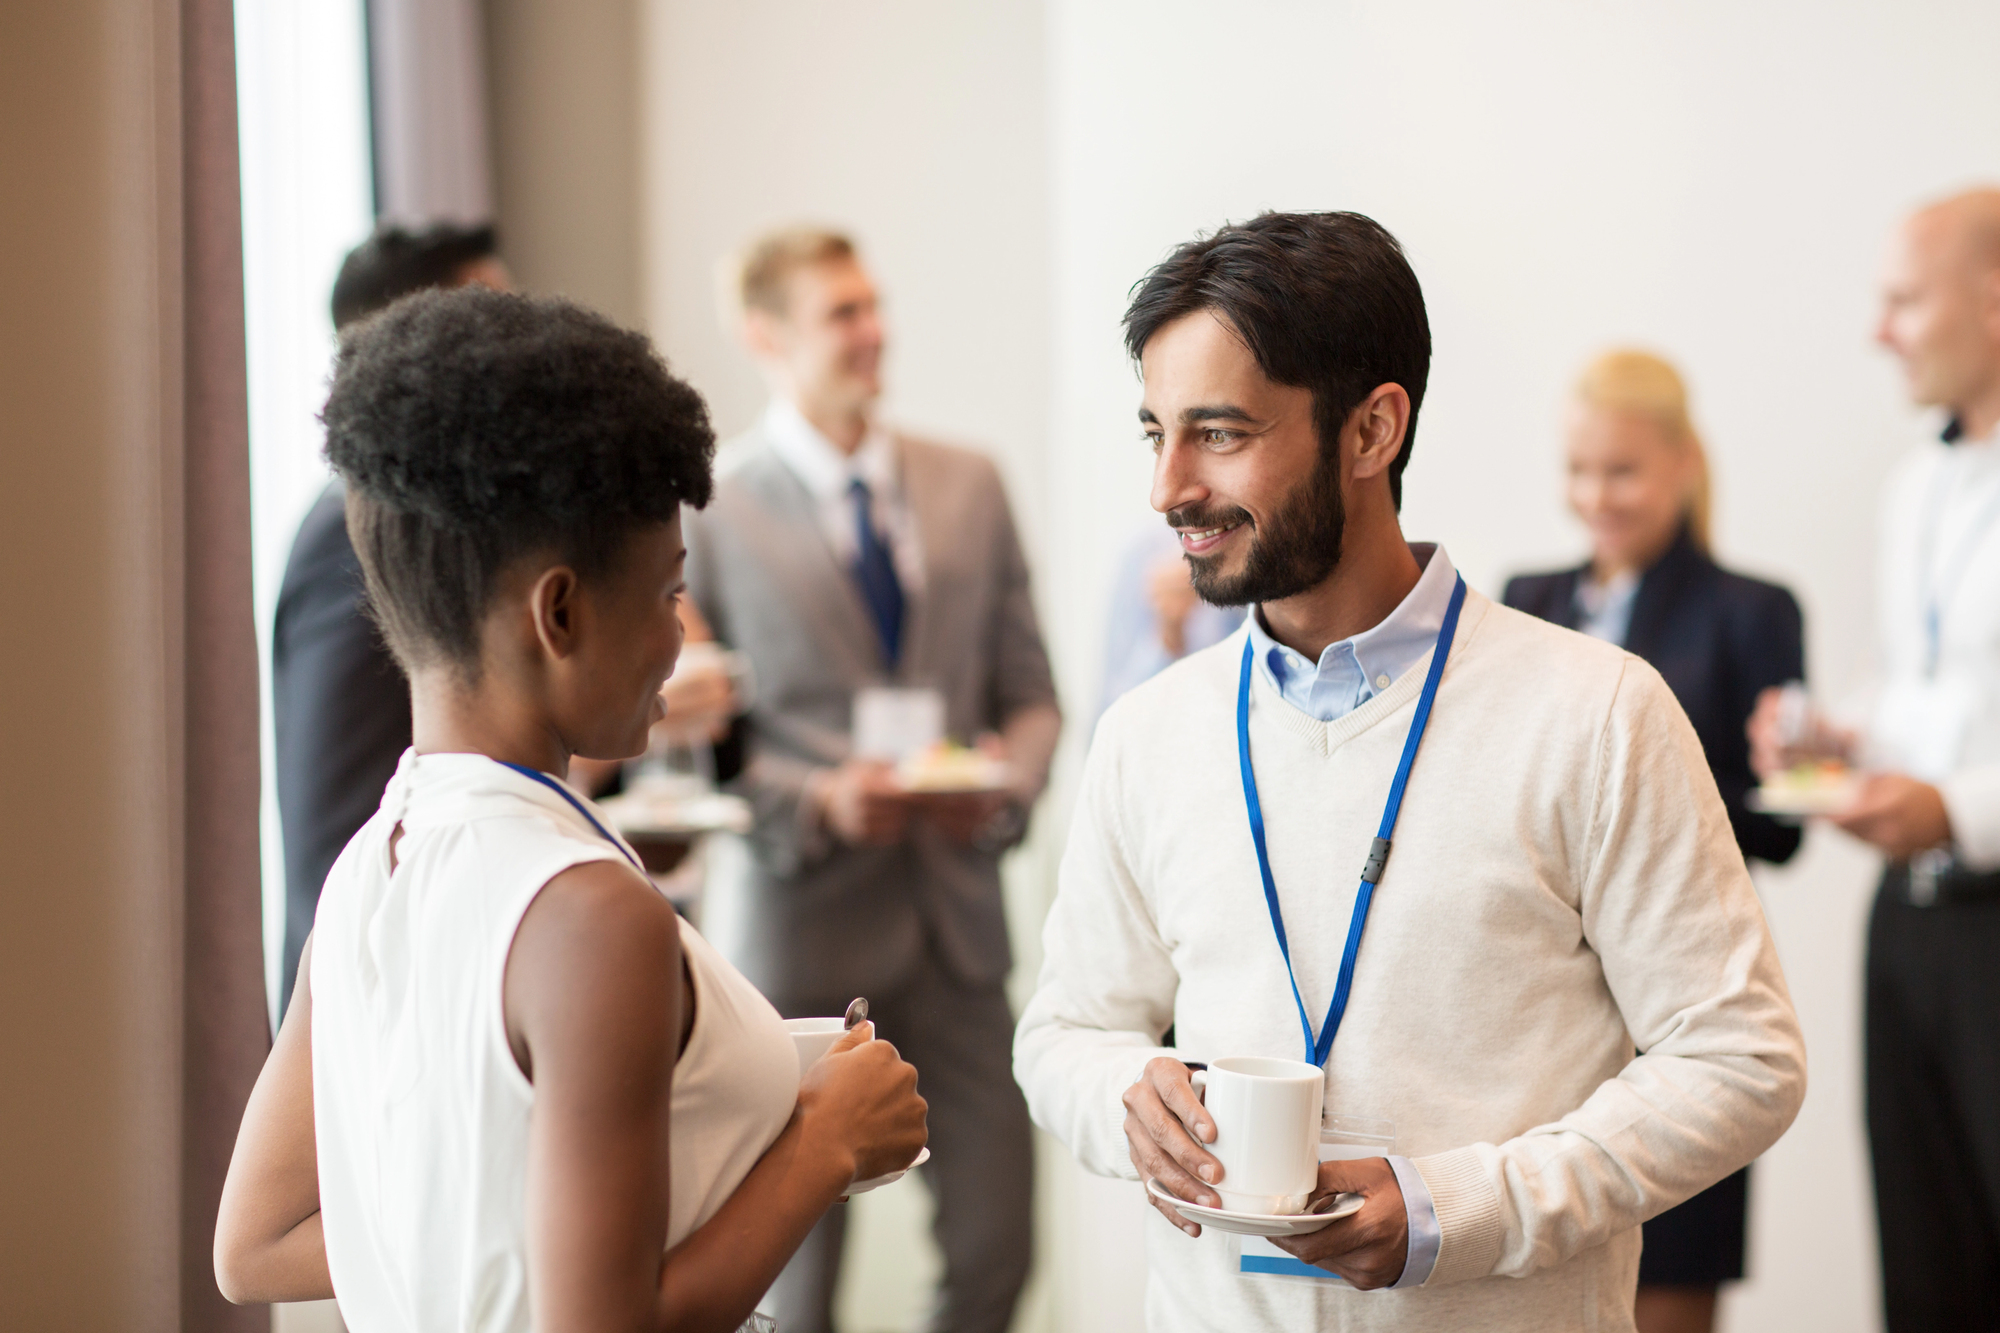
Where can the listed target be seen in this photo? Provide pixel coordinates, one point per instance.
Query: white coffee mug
(1266, 1115)
(813, 1037)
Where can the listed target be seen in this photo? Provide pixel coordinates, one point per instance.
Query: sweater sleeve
(1106, 992)
(1666, 904)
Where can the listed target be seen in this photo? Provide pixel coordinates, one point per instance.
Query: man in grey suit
(840, 557)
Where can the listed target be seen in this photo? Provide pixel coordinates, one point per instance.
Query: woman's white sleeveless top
(421, 1113)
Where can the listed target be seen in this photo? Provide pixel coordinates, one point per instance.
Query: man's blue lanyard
(1317, 1049)
(570, 796)
(1938, 585)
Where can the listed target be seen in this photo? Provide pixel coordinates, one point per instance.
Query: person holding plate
(1638, 479)
(878, 587)
(1454, 857)
(1929, 798)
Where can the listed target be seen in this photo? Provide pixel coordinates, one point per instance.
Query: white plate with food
(650, 813)
(945, 769)
(1333, 1208)
(1809, 789)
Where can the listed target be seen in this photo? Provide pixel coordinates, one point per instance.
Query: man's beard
(1293, 551)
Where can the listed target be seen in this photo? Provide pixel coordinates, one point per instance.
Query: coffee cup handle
(1198, 1080)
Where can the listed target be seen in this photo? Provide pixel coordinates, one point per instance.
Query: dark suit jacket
(1719, 639)
(341, 710)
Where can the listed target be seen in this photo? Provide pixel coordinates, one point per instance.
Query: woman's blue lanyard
(581, 809)
(1317, 1049)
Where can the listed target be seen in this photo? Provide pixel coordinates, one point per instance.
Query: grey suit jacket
(819, 920)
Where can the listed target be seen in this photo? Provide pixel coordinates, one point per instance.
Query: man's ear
(763, 334)
(1376, 429)
(552, 609)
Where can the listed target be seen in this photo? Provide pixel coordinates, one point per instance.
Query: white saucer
(877, 1182)
(1259, 1224)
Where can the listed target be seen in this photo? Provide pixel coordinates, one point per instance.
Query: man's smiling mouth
(1197, 540)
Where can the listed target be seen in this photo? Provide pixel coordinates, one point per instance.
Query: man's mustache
(1194, 516)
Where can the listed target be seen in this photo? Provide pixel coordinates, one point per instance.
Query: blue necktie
(875, 571)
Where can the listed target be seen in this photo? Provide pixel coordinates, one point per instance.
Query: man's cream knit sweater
(1563, 885)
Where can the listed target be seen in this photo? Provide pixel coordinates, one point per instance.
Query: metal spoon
(857, 1013)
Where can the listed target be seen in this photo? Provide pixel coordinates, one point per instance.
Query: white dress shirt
(1936, 715)
(827, 474)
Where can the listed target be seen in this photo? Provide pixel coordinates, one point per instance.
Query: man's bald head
(1964, 229)
(1941, 307)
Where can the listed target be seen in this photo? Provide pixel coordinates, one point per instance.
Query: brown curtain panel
(131, 999)
(225, 1033)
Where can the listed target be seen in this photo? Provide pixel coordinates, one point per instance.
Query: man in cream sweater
(1560, 885)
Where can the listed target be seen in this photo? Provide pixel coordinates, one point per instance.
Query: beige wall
(918, 126)
(564, 85)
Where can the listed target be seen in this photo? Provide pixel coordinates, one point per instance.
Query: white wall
(1712, 180)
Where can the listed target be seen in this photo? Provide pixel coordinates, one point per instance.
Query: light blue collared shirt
(1348, 675)
(1353, 671)
(1604, 610)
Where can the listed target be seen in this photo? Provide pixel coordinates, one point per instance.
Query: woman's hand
(860, 1100)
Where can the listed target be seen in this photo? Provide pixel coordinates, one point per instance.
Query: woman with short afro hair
(514, 1090)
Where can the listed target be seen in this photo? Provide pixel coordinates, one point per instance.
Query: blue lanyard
(1939, 585)
(570, 796)
(1317, 1049)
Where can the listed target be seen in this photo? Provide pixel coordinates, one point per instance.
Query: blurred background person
(1930, 800)
(1638, 479)
(1155, 618)
(839, 557)
(340, 705)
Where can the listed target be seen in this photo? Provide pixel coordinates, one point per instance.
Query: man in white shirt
(1560, 883)
(1930, 800)
(843, 557)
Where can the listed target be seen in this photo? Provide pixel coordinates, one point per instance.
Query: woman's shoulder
(1754, 596)
(1544, 594)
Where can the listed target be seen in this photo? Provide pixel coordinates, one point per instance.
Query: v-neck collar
(1327, 737)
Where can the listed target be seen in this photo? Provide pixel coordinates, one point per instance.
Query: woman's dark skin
(597, 1008)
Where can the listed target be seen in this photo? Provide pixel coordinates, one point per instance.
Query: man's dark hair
(1324, 301)
(394, 262)
(476, 427)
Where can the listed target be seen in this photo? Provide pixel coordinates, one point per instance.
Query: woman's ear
(552, 609)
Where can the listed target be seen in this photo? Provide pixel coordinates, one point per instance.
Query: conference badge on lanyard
(1320, 1046)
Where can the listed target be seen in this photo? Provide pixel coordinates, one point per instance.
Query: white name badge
(1341, 1138)
(893, 724)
